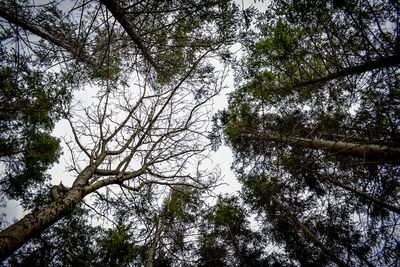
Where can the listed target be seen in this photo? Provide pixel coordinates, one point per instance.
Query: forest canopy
(312, 121)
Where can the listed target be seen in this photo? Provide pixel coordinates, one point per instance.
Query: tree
(145, 127)
(316, 104)
(169, 33)
(227, 238)
(31, 103)
(174, 226)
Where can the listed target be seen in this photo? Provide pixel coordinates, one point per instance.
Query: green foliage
(297, 82)
(116, 249)
(95, 49)
(184, 204)
(109, 54)
(178, 32)
(227, 238)
(211, 253)
(41, 151)
(31, 103)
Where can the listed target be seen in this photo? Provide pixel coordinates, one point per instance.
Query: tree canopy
(313, 123)
(31, 103)
(314, 127)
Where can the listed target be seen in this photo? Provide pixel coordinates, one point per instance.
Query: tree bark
(310, 235)
(33, 224)
(13, 237)
(120, 16)
(383, 62)
(369, 151)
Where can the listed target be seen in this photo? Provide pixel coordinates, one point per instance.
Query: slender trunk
(157, 236)
(119, 14)
(33, 224)
(310, 235)
(152, 251)
(236, 247)
(369, 151)
(352, 138)
(74, 49)
(383, 62)
(359, 193)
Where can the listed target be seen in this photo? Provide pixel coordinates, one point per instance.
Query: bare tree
(129, 140)
(138, 130)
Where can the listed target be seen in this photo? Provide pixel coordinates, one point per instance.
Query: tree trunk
(369, 151)
(33, 224)
(310, 235)
(383, 62)
(236, 246)
(119, 15)
(152, 251)
(157, 236)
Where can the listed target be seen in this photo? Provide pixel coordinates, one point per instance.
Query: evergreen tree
(227, 238)
(314, 129)
(31, 103)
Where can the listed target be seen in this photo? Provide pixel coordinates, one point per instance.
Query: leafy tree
(314, 129)
(170, 35)
(31, 103)
(227, 239)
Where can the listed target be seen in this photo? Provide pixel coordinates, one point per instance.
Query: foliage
(227, 238)
(313, 124)
(31, 103)
(318, 73)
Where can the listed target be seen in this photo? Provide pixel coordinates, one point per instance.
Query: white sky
(222, 157)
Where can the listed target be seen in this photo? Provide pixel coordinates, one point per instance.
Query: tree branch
(23, 23)
(119, 14)
(384, 62)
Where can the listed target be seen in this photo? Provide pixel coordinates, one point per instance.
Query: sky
(221, 158)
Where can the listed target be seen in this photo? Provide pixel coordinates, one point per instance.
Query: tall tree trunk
(152, 251)
(33, 224)
(380, 63)
(310, 235)
(160, 228)
(236, 246)
(368, 151)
